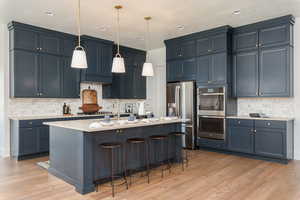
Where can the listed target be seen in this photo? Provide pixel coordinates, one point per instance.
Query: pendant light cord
(118, 31)
(78, 24)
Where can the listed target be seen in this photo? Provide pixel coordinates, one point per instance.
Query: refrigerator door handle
(177, 100)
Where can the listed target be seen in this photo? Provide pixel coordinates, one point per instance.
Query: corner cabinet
(263, 59)
(203, 57)
(266, 138)
(99, 59)
(131, 84)
(40, 63)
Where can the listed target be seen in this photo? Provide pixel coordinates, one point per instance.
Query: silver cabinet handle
(269, 124)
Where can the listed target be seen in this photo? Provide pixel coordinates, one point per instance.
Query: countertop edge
(262, 118)
(109, 128)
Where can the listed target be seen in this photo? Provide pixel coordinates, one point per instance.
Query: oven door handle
(214, 117)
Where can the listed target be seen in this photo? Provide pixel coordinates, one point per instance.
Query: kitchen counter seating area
(76, 155)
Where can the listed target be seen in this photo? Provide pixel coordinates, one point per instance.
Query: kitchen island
(77, 158)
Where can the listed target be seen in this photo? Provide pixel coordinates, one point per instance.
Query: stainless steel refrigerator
(181, 98)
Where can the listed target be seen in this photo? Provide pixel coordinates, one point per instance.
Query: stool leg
(124, 164)
(147, 161)
(182, 159)
(186, 158)
(162, 169)
(112, 174)
(168, 157)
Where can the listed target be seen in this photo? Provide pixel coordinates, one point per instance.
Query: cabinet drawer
(30, 123)
(211, 143)
(270, 124)
(241, 122)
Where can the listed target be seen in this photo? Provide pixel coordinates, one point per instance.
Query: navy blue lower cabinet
(267, 139)
(240, 139)
(270, 143)
(28, 139)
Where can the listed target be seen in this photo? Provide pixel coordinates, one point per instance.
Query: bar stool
(161, 139)
(184, 151)
(143, 159)
(112, 147)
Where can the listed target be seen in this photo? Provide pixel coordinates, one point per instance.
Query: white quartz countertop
(261, 118)
(36, 117)
(84, 125)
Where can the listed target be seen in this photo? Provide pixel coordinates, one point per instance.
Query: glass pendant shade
(147, 69)
(79, 58)
(118, 65)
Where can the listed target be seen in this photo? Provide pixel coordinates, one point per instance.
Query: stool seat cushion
(136, 140)
(158, 137)
(111, 145)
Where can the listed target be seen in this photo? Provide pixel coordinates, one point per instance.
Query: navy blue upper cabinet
(245, 41)
(131, 84)
(274, 32)
(245, 70)
(99, 58)
(213, 44)
(203, 57)
(275, 35)
(40, 63)
(24, 74)
(177, 49)
(70, 80)
(266, 70)
(50, 76)
(24, 39)
(276, 78)
(50, 43)
(203, 69)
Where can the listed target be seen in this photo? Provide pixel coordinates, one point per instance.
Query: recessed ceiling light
(236, 12)
(49, 13)
(180, 27)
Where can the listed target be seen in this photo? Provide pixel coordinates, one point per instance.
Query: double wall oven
(211, 105)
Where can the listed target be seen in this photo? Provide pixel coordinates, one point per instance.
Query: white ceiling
(195, 15)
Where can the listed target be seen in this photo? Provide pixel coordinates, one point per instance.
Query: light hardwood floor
(211, 175)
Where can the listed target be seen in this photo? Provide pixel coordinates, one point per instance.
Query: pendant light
(147, 67)
(118, 65)
(79, 55)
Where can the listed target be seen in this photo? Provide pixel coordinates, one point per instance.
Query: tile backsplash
(40, 107)
(275, 107)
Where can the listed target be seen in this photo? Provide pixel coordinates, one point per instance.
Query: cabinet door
(28, 141)
(189, 68)
(43, 138)
(26, 40)
(139, 83)
(240, 139)
(270, 143)
(92, 55)
(219, 43)
(245, 41)
(106, 60)
(24, 79)
(218, 68)
(277, 35)
(203, 68)
(50, 44)
(245, 68)
(173, 50)
(68, 46)
(174, 70)
(275, 72)
(50, 75)
(188, 49)
(203, 46)
(70, 81)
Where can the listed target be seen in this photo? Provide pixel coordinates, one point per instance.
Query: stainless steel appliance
(211, 111)
(211, 101)
(211, 127)
(181, 102)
